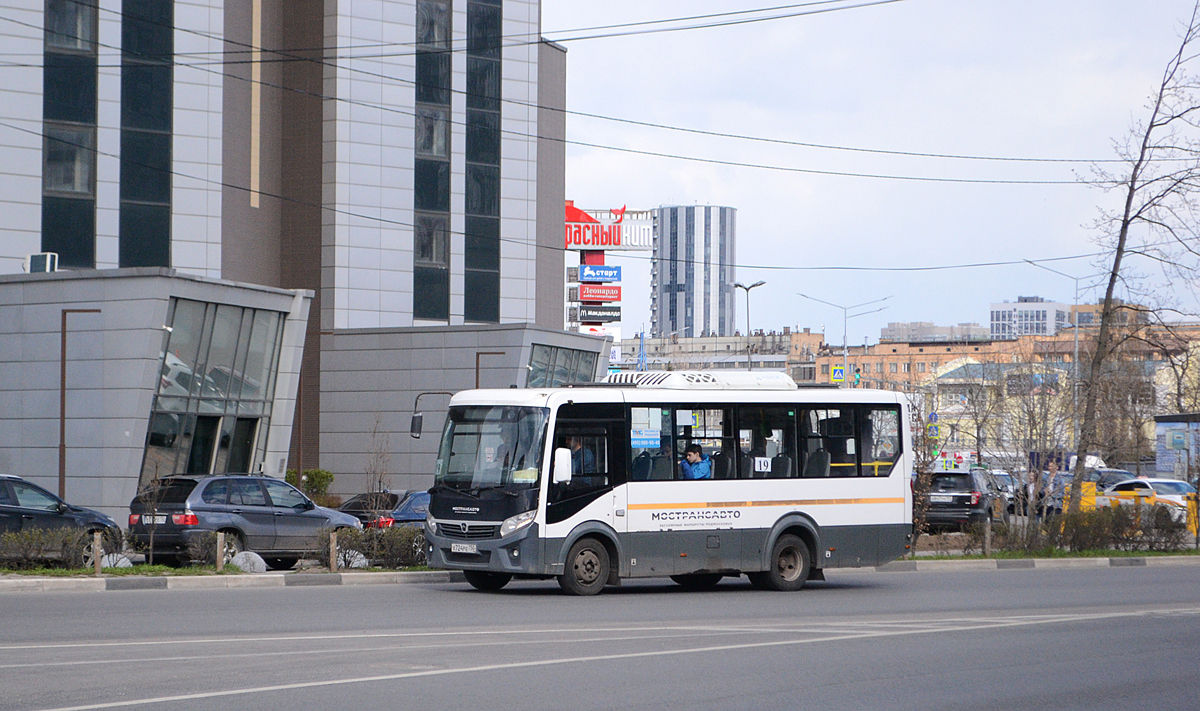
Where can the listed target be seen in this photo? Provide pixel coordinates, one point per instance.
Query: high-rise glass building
(398, 163)
(692, 273)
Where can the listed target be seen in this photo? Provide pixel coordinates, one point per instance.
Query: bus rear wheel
(587, 568)
(698, 581)
(789, 566)
(488, 582)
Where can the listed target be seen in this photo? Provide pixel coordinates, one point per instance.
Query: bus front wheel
(587, 568)
(488, 582)
(789, 566)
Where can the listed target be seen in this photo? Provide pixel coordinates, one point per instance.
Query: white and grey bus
(691, 475)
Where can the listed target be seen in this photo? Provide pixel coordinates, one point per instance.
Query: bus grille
(468, 531)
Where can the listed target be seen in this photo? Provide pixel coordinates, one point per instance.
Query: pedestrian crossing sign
(837, 374)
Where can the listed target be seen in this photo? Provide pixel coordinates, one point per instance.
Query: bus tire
(587, 568)
(698, 581)
(789, 566)
(485, 581)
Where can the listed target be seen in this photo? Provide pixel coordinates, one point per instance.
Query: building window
(433, 132)
(481, 278)
(216, 388)
(908, 367)
(147, 89)
(431, 246)
(920, 367)
(825, 369)
(69, 160)
(551, 367)
(69, 132)
(892, 367)
(431, 179)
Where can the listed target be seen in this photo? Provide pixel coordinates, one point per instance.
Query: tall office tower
(692, 273)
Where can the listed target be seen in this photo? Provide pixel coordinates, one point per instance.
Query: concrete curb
(17, 583)
(930, 566)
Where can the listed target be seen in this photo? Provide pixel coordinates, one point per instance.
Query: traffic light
(857, 376)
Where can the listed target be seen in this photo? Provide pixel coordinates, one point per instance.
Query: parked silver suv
(257, 513)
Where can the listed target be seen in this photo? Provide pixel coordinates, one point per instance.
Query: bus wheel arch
(607, 537)
(801, 526)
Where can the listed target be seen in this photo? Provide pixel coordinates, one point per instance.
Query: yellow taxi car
(1178, 496)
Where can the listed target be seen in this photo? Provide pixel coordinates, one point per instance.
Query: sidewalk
(20, 583)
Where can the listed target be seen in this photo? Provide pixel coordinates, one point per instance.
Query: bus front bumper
(518, 553)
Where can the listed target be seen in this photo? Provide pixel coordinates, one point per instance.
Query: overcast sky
(1009, 78)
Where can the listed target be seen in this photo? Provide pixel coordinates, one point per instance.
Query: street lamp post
(738, 284)
(845, 317)
(62, 401)
(1074, 358)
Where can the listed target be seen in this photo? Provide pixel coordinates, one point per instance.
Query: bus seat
(642, 465)
(720, 465)
(661, 468)
(817, 465)
(781, 466)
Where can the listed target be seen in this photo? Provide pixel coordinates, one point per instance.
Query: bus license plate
(463, 548)
(941, 499)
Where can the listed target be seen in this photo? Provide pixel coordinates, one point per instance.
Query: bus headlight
(516, 523)
(430, 524)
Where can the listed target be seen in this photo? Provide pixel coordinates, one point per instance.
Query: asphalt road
(1111, 638)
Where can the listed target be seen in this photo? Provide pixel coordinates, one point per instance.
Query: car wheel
(789, 566)
(89, 548)
(488, 582)
(418, 552)
(698, 581)
(286, 563)
(233, 546)
(587, 568)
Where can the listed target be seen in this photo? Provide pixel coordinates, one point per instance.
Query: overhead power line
(331, 61)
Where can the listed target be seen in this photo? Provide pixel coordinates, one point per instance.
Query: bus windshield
(491, 447)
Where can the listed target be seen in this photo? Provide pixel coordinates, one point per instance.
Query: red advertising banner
(599, 292)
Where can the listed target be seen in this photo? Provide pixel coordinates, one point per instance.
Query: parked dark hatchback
(371, 505)
(959, 498)
(24, 504)
(409, 512)
(257, 513)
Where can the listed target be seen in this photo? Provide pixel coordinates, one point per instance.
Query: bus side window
(650, 443)
(830, 445)
(589, 460)
(879, 437)
(767, 442)
(712, 430)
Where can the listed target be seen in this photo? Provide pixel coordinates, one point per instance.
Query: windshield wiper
(502, 487)
(446, 487)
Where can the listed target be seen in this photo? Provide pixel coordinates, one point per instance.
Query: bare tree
(379, 458)
(1158, 184)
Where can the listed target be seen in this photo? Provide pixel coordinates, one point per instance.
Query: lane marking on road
(401, 648)
(998, 623)
(805, 626)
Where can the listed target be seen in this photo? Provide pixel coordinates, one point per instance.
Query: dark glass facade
(216, 386)
(69, 132)
(482, 244)
(147, 50)
(431, 179)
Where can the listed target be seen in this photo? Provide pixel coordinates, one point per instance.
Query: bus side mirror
(562, 466)
(414, 426)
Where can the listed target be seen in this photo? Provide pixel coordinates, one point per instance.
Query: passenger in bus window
(695, 463)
